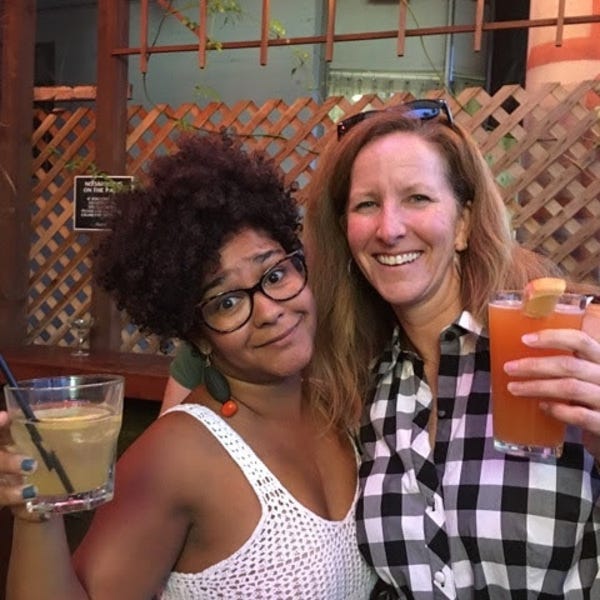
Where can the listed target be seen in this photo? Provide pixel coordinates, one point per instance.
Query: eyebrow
(411, 189)
(257, 259)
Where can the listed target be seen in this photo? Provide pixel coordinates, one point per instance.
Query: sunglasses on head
(424, 110)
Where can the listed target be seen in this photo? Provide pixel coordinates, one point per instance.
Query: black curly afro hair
(166, 236)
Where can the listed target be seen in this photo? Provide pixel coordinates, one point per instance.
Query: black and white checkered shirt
(462, 520)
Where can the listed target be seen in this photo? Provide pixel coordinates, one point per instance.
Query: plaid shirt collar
(465, 323)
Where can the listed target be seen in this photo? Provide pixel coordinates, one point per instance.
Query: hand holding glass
(520, 426)
(73, 424)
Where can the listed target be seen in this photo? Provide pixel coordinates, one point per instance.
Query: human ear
(463, 228)
(204, 346)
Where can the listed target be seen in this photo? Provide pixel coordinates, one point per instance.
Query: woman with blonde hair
(407, 237)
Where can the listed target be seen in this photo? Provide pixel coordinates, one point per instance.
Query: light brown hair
(354, 321)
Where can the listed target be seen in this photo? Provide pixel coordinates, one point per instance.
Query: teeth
(398, 259)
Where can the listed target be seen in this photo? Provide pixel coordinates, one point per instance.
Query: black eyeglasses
(231, 310)
(424, 110)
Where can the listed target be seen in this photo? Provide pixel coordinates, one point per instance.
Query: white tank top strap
(257, 473)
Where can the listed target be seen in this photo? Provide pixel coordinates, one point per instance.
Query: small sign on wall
(93, 202)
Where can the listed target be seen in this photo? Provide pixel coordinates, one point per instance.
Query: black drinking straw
(49, 457)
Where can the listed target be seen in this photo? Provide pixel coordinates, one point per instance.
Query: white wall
(442, 57)
(236, 74)
(233, 74)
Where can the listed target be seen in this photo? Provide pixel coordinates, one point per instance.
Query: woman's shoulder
(187, 427)
(173, 446)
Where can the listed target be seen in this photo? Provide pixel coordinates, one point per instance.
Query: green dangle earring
(218, 387)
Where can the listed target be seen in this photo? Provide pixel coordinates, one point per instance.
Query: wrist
(22, 514)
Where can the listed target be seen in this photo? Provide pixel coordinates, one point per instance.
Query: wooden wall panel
(544, 153)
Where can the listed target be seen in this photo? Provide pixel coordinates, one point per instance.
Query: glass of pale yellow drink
(70, 424)
(520, 426)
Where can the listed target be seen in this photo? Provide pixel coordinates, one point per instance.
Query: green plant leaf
(276, 29)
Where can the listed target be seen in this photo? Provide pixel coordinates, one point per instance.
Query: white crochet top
(292, 554)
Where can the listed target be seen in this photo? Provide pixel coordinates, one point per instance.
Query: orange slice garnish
(541, 295)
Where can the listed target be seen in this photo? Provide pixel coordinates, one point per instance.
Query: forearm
(40, 563)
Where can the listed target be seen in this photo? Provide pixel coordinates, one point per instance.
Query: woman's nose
(392, 223)
(265, 309)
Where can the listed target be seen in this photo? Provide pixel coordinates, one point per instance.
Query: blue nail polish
(29, 492)
(27, 465)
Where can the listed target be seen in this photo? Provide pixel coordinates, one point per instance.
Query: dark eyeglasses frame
(258, 287)
(423, 109)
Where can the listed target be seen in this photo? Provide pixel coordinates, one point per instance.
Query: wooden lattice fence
(543, 147)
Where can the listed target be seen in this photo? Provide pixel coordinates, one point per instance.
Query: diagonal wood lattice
(543, 147)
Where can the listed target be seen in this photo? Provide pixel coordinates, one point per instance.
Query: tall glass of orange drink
(520, 427)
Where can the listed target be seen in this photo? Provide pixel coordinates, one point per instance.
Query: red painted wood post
(111, 136)
(17, 34)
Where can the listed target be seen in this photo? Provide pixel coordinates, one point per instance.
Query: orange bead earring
(229, 408)
(218, 387)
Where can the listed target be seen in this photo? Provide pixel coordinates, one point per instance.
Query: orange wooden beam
(560, 22)
(111, 136)
(203, 7)
(330, 35)
(264, 32)
(17, 30)
(144, 37)
(478, 25)
(402, 27)
(370, 35)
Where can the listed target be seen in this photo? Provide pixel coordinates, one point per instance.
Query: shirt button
(440, 578)
(441, 414)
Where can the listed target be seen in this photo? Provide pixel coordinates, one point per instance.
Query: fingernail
(29, 492)
(529, 338)
(28, 465)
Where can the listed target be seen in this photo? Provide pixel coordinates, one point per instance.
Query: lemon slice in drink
(541, 295)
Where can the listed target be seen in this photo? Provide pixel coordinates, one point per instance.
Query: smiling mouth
(393, 260)
(280, 337)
